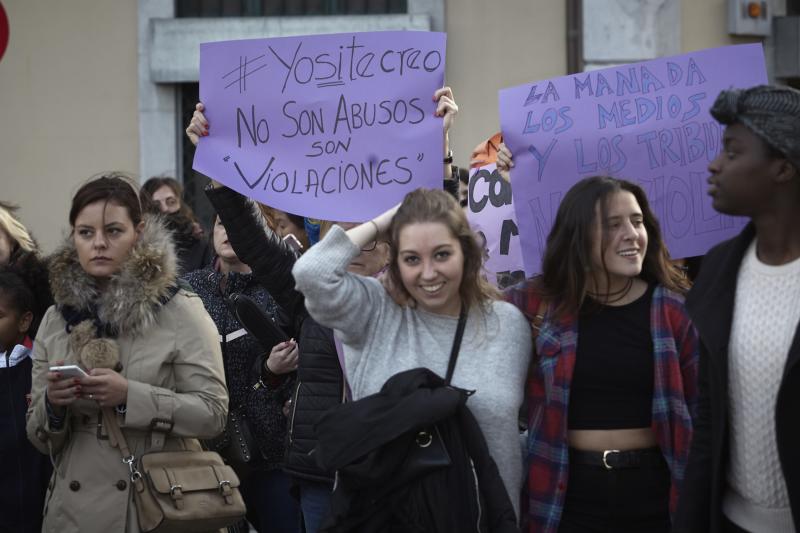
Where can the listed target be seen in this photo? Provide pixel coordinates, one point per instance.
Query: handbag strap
(116, 437)
(451, 365)
(115, 434)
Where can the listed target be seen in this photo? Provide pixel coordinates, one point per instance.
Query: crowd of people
(368, 377)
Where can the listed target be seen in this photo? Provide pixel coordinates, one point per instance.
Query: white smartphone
(70, 371)
(293, 243)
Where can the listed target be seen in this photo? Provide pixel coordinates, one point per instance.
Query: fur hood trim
(134, 295)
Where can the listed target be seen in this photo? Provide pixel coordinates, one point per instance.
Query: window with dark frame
(286, 8)
(193, 182)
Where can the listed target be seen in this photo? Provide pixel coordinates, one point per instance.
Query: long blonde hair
(14, 228)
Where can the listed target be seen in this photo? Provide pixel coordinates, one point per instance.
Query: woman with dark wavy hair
(612, 386)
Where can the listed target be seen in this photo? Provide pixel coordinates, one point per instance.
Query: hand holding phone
(63, 385)
(69, 371)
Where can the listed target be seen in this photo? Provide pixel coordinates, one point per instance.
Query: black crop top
(612, 384)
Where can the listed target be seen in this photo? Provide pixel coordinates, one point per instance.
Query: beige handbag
(180, 491)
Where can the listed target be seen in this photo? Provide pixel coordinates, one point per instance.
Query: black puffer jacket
(320, 386)
(23, 470)
(320, 380)
(262, 406)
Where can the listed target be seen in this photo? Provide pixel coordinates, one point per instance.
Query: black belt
(613, 459)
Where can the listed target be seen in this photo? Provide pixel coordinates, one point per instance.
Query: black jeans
(625, 500)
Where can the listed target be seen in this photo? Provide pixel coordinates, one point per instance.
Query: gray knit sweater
(381, 339)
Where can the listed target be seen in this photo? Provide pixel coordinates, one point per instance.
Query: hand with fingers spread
(505, 162)
(61, 391)
(198, 126)
(107, 387)
(283, 358)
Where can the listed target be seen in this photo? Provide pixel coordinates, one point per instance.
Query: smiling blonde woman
(436, 260)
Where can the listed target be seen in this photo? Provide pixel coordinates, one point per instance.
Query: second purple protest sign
(490, 212)
(336, 127)
(646, 122)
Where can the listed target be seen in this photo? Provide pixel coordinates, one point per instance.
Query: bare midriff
(599, 440)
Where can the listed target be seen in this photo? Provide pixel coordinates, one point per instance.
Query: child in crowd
(23, 471)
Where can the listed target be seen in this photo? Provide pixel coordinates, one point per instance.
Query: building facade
(91, 85)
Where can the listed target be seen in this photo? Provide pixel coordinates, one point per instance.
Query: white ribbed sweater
(766, 314)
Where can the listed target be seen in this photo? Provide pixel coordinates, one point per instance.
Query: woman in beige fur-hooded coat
(118, 305)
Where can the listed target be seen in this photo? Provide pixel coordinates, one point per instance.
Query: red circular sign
(3, 31)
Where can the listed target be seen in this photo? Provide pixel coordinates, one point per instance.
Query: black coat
(23, 470)
(711, 304)
(320, 379)
(387, 480)
(191, 247)
(193, 253)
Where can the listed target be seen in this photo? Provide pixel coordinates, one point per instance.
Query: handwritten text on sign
(491, 214)
(336, 127)
(646, 122)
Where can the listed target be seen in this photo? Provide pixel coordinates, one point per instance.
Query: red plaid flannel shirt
(675, 345)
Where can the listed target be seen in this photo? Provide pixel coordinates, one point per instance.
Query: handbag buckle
(424, 439)
(226, 491)
(177, 488)
(135, 475)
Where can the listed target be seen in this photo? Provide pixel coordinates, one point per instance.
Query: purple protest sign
(646, 122)
(490, 212)
(336, 127)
